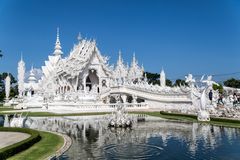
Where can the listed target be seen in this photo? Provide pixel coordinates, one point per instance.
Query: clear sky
(188, 36)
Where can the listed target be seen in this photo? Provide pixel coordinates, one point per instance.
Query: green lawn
(5, 109)
(47, 146)
(170, 117)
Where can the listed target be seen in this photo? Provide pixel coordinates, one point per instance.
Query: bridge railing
(111, 106)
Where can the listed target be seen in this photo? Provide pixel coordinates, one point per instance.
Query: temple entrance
(92, 81)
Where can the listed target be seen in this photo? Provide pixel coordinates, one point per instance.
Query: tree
(4, 75)
(232, 83)
(1, 55)
(218, 87)
(154, 78)
(180, 82)
(14, 88)
(169, 83)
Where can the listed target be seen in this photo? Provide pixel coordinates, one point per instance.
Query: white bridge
(150, 95)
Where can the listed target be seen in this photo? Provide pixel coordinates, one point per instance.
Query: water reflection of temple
(90, 134)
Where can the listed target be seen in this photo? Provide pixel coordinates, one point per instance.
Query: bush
(232, 83)
(212, 119)
(178, 114)
(20, 146)
(225, 120)
(218, 87)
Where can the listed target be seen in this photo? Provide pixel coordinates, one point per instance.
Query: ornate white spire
(134, 62)
(32, 78)
(120, 60)
(135, 72)
(7, 86)
(120, 70)
(145, 77)
(21, 76)
(58, 51)
(162, 78)
(79, 37)
(21, 57)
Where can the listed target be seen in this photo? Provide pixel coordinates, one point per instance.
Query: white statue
(190, 80)
(203, 114)
(6, 121)
(209, 82)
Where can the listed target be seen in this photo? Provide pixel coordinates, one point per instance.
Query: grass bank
(48, 145)
(19, 146)
(6, 109)
(227, 122)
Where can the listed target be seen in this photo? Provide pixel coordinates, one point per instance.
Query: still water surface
(153, 139)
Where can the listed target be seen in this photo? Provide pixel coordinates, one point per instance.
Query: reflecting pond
(154, 138)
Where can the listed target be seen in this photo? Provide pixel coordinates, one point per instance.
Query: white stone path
(9, 138)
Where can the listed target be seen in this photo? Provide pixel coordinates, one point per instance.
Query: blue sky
(189, 36)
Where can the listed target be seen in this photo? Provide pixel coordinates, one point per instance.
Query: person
(238, 98)
(220, 99)
(210, 95)
(235, 99)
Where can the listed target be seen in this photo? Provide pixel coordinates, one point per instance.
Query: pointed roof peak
(32, 68)
(134, 60)
(58, 47)
(162, 71)
(21, 57)
(57, 32)
(120, 59)
(79, 37)
(119, 53)
(21, 62)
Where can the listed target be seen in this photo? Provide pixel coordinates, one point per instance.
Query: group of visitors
(235, 98)
(220, 98)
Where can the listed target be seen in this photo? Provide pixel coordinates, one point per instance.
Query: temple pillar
(134, 100)
(84, 84)
(100, 84)
(124, 98)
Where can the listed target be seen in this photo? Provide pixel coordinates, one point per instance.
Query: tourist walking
(220, 99)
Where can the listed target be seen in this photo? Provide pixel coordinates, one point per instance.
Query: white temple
(84, 78)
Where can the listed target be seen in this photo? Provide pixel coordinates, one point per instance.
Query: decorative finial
(119, 54)
(21, 57)
(134, 61)
(57, 32)
(145, 77)
(79, 37)
(58, 47)
(32, 67)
